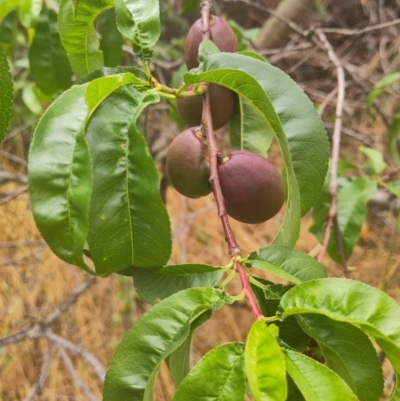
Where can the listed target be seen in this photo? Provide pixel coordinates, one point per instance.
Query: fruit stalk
(212, 146)
(247, 291)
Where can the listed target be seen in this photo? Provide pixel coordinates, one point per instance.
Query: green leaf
(353, 302)
(287, 263)
(59, 170)
(293, 119)
(29, 11)
(106, 71)
(6, 94)
(159, 332)
(247, 129)
(48, 61)
(78, 35)
(393, 187)
(128, 222)
(206, 49)
(179, 361)
(315, 381)
(349, 353)
(155, 284)
(351, 211)
(111, 39)
(217, 376)
(264, 364)
(6, 6)
(139, 21)
(8, 33)
(375, 159)
(394, 132)
(190, 5)
(380, 87)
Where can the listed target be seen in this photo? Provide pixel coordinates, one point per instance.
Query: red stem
(213, 151)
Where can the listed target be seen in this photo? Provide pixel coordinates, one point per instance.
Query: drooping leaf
(349, 353)
(159, 332)
(111, 39)
(247, 129)
(264, 364)
(394, 132)
(29, 11)
(6, 6)
(353, 302)
(287, 263)
(78, 35)
(48, 61)
(315, 381)
(217, 376)
(292, 118)
(351, 211)
(6, 94)
(59, 169)
(155, 284)
(139, 21)
(128, 223)
(375, 159)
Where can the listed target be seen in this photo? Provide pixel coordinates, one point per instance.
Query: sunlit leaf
(265, 364)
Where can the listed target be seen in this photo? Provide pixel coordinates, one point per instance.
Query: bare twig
(360, 31)
(6, 177)
(75, 376)
(44, 370)
(13, 195)
(332, 222)
(13, 158)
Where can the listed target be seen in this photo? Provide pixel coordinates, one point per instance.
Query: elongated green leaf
(394, 132)
(351, 212)
(179, 361)
(139, 20)
(7, 6)
(349, 353)
(353, 302)
(247, 129)
(264, 364)
(294, 393)
(155, 284)
(6, 94)
(375, 159)
(394, 187)
(8, 33)
(48, 61)
(160, 331)
(217, 376)
(380, 87)
(29, 11)
(292, 118)
(78, 35)
(128, 223)
(315, 381)
(59, 170)
(111, 39)
(287, 263)
(59, 176)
